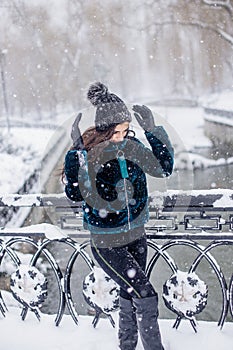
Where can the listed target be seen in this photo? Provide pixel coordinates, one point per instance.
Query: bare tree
(3, 84)
(209, 27)
(169, 48)
(226, 4)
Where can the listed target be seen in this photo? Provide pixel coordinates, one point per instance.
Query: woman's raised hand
(144, 117)
(76, 134)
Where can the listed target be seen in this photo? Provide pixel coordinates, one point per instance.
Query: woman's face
(120, 132)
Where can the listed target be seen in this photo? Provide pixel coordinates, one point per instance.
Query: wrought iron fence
(200, 222)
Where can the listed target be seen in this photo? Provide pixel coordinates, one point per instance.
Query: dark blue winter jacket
(113, 186)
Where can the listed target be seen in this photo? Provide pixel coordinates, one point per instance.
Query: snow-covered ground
(28, 149)
(20, 154)
(32, 334)
(223, 100)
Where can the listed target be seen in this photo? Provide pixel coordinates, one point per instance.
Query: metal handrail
(177, 219)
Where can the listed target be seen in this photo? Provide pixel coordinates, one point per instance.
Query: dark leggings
(126, 266)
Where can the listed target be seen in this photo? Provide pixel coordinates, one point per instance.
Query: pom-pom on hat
(110, 109)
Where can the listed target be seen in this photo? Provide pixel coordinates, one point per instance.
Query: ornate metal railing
(188, 233)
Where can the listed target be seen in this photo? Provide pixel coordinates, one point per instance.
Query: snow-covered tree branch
(228, 6)
(221, 3)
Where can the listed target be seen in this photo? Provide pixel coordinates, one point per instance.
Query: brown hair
(96, 141)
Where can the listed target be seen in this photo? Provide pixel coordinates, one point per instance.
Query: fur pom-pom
(97, 93)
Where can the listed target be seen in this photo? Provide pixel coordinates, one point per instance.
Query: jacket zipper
(125, 175)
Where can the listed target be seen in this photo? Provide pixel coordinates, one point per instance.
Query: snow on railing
(189, 232)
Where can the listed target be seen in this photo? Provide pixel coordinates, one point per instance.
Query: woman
(106, 170)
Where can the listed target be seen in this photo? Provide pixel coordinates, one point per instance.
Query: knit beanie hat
(110, 109)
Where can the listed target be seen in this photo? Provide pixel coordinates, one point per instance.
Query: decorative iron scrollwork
(165, 231)
(29, 287)
(202, 222)
(101, 293)
(185, 294)
(163, 223)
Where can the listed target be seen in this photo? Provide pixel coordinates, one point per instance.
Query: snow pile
(225, 201)
(222, 100)
(51, 232)
(185, 127)
(99, 289)
(28, 334)
(220, 120)
(21, 151)
(20, 200)
(185, 294)
(28, 285)
(31, 200)
(192, 161)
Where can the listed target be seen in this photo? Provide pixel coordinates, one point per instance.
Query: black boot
(147, 318)
(128, 330)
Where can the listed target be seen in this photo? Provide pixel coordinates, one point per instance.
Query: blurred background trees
(151, 50)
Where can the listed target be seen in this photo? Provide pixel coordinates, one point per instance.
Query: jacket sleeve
(75, 163)
(158, 161)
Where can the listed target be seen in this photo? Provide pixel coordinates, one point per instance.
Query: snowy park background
(175, 56)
